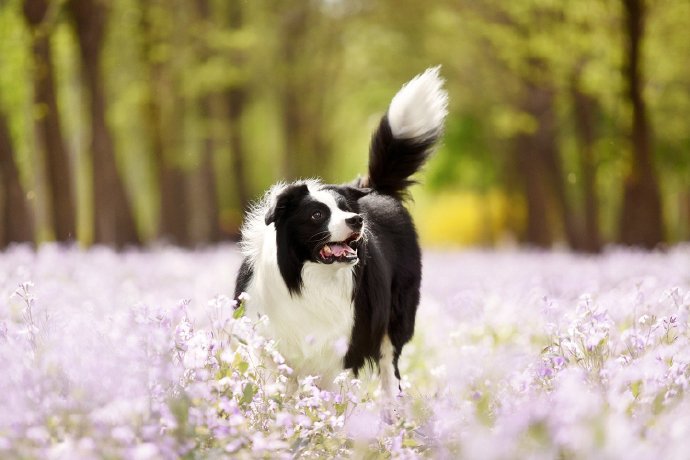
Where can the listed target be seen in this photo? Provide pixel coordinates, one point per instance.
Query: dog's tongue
(340, 249)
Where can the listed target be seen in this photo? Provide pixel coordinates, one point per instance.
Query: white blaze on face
(337, 226)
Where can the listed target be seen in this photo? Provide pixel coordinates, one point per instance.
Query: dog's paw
(391, 412)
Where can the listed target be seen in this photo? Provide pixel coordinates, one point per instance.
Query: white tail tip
(419, 109)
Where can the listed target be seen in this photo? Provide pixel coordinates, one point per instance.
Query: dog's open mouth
(340, 251)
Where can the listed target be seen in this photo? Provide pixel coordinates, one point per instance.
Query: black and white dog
(337, 268)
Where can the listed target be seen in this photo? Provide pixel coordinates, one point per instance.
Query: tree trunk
(172, 181)
(540, 166)
(546, 142)
(531, 170)
(15, 219)
(307, 56)
(47, 123)
(293, 29)
(686, 213)
(236, 99)
(586, 110)
(114, 220)
(641, 219)
(206, 207)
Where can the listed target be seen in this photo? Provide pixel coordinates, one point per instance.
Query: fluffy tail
(407, 133)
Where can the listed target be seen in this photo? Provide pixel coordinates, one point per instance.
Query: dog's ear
(285, 201)
(355, 193)
(360, 182)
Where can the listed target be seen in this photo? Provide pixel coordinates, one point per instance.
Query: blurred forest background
(128, 122)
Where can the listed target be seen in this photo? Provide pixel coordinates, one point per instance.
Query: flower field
(517, 354)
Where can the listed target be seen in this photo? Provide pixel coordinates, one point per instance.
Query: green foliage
(341, 62)
(14, 92)
(464, 158)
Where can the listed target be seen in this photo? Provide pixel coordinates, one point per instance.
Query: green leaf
(240, 364)
(248, 393)
(409, 442)
(239, 311)
(636, 387)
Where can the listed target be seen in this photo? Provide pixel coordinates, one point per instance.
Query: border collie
(337, 268)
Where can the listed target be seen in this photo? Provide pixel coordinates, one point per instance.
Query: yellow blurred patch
(466, 218)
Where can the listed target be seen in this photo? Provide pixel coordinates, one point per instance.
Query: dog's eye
(316, 216)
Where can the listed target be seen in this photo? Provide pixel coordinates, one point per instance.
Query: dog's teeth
(327, 250)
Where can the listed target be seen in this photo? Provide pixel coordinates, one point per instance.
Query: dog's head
(316, 223)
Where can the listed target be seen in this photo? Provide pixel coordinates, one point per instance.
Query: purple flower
(516, 353)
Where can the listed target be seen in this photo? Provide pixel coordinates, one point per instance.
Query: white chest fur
(312, 329)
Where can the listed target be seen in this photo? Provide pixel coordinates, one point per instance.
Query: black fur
(388, 279)
(388, 273)
(392, 161)
(244, 276)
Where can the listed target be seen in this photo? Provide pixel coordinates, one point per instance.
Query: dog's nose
(355, 222)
